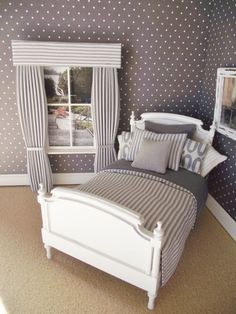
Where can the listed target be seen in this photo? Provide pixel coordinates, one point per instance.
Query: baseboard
(222, 216)
(13, 179)
(58, 178)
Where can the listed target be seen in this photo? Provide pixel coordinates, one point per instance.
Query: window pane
(82, 126)
(81, 83)
(56, 84)
(59, 126)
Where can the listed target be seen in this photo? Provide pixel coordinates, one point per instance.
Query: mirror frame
(223, 73)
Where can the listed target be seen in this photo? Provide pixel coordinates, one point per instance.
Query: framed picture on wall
(225, 111)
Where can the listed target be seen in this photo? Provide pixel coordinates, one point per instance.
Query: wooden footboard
(103, 235)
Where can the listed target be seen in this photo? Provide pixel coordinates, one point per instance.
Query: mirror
(225, 110)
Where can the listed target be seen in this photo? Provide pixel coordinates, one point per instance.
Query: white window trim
(63, 150)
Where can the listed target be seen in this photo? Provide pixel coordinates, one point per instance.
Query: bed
(110, 222)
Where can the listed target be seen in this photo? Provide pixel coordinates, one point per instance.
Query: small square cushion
(153, 155)
(193, 155)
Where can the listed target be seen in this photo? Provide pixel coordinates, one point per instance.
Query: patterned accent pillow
(193, 155)
(177, 144)
(125, 140)
(212, 159)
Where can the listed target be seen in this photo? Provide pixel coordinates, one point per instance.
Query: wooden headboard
(200, 134)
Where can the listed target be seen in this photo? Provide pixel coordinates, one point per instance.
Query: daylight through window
(68, 91)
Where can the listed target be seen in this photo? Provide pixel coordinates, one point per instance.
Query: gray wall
(171, 50)
(163, 57)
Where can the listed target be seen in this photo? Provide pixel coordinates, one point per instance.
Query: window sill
(71, 150)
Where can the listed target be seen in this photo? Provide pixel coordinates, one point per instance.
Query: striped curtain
(31, 101)
(105, 111)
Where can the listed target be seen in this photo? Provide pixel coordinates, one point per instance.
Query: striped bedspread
(156, 199)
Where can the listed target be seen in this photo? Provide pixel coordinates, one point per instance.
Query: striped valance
(66, 53)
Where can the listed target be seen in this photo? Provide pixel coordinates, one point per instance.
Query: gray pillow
(177, 144)
(153, 155)
(189, 129)
(193, 155)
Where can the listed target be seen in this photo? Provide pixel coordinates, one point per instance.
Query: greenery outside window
(68, 92)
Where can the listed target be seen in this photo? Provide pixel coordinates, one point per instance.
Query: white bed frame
(105, 235)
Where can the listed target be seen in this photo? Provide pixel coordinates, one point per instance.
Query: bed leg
(48, 251)
(151, 300)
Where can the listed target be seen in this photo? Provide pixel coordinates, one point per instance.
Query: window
(68, 92)
(225, 113)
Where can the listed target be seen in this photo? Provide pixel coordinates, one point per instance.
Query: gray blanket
(189, 180)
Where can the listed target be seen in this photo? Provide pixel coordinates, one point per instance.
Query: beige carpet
(205, 281)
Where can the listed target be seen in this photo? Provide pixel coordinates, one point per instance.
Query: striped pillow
(177, 144)
(211, 160)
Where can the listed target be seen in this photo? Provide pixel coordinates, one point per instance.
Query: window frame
(55, 150)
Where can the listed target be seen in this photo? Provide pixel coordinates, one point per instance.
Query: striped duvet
(156, 199)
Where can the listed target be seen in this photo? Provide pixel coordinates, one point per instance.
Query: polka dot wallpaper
(163, 57)
(221, 52)
(72, 163)
(170, 52)
(222, 180)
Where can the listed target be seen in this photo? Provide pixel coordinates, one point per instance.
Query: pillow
(124, 139)
(177, 143)
(153, 155)
(211, 160)
(171, 128)
(193, 155)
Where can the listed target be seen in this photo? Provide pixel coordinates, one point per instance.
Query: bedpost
(48, 251)
(132, 122)
(212, 130)
(42, 194)
(156, 243)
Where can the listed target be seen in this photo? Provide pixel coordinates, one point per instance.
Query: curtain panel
(31, 101)
(28, 57)
(105, 111)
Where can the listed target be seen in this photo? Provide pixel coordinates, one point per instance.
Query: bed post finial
(132, 122)
(212, 130)
(42, 190)
(41, 194)
(158, 231)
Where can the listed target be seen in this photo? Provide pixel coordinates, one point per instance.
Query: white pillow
(211, 160)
